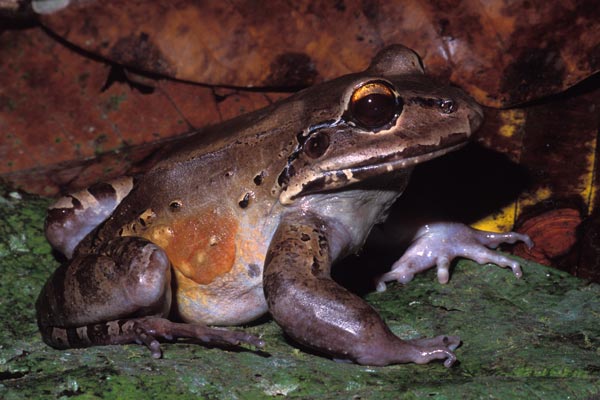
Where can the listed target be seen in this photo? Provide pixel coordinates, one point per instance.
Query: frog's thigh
(130, 277)
(317, 312)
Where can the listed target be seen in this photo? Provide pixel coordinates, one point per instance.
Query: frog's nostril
(447, 106)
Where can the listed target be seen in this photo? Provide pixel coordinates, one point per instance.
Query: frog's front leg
(120, 295)
(438, 244)
(317, 312)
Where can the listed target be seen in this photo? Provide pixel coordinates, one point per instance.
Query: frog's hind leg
(317, 312)
(75, 215)
(120, 295)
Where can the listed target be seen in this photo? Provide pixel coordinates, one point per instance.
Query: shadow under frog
(245, 218)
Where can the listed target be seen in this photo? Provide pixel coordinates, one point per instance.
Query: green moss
(537, 337)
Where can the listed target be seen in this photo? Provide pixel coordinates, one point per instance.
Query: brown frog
(246, 218)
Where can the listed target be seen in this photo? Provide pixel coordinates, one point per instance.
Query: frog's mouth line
(336, 179)
(394, 162)
(414, 154)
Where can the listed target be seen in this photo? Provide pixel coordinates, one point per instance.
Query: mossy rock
(537, 337)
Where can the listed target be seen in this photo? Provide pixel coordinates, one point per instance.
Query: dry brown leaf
(503, 52)
(57, 106)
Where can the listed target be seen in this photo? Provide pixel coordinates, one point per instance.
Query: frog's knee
(148, 276)
(75, 215)
(153, 278)
(127, 277)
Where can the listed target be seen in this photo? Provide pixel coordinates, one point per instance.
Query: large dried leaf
(503, 52)
(57, 105)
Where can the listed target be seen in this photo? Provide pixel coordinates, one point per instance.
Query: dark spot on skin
(340, 176)
(258, 179)
(58, 215)
(76, 203)
(142, 222)
(140, 52)
(305, 237)
(286, 174)
(322, 242)
(102, 191)
(253, 270)
(245, 200)
(292, 70)
(175, 205)
(315, 268)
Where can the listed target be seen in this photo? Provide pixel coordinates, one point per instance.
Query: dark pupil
(374, 110)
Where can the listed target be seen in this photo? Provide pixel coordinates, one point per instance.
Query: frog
(246, 218)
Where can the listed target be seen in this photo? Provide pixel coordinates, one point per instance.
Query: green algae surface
(537, 337)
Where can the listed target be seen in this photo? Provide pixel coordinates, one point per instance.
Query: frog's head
(389, 117)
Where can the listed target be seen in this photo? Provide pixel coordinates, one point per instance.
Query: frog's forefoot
(146, 330)
(438, 244)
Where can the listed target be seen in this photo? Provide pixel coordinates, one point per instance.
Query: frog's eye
(374, 105)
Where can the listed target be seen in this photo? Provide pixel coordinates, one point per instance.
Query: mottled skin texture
(247, 217)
